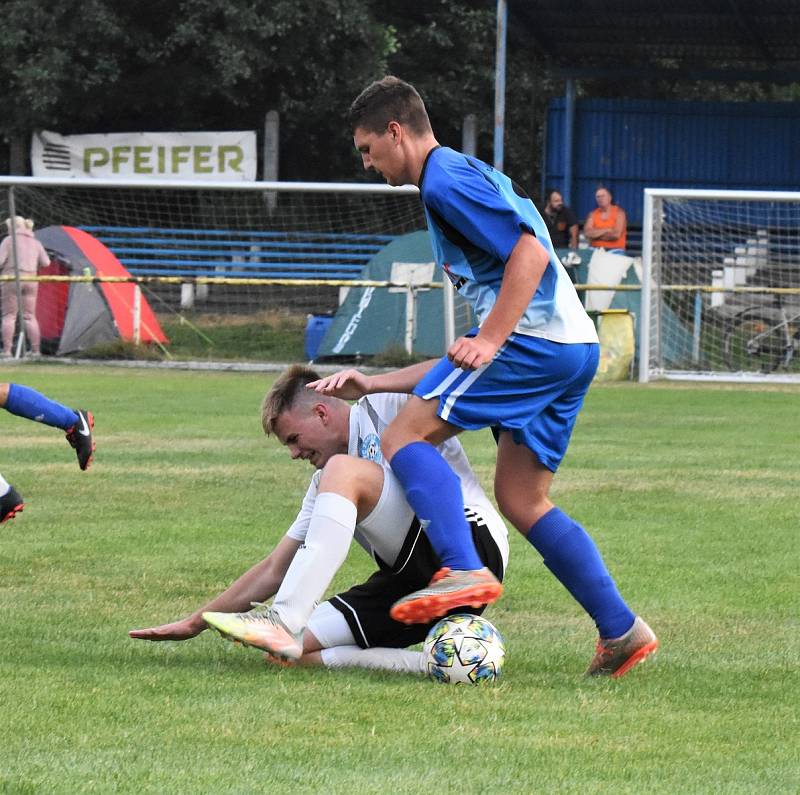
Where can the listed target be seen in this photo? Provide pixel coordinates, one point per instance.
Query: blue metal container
(316, 328)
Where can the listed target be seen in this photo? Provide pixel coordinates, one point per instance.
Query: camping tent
(373, 320)
(76, 316)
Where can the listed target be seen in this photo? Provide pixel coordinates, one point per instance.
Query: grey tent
(372, 320)
(77, 316)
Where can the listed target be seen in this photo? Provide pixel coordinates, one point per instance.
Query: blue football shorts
(533, 388)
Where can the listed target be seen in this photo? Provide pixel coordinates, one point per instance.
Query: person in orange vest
(606, 227)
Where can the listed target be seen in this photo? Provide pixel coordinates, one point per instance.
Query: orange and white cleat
(447, 590)
(617, 656)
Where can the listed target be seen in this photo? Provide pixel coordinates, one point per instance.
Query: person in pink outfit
(31, 255)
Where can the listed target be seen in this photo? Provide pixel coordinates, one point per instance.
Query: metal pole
(411, 310)
(137, 314)
(500, 83)
(20, 311)
(469, 135)
(647, 277)
(697, 326)
(270, 155)
(569, 137)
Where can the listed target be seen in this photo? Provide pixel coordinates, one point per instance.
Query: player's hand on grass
(178, 630)
(470, 353)
(347, 384)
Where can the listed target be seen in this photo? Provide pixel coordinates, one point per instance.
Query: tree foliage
(55, 60)
(116, 65)
(108, 65)
(113, 66)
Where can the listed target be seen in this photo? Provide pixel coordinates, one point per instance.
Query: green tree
(108, 65)
(447, 50)
(56, 56)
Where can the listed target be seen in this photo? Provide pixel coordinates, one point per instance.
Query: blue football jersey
(475, 216)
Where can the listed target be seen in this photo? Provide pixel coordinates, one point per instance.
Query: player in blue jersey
(524, 372)
(26, 402)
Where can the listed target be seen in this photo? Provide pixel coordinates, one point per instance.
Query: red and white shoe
(11, 503)
(447, 590)
(617, 656)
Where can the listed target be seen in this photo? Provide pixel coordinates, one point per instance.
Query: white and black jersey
(392, 535)
(383, 540)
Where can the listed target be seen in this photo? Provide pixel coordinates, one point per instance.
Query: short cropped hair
(606, 189)
(389, 99)
(287, 392)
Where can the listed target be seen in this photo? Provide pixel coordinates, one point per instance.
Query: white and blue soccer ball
(464, 649)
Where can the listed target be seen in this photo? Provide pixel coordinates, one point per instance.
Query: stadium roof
(721, 40)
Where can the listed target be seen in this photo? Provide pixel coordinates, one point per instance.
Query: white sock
(399, 660)
(5, 486)
(330, 532)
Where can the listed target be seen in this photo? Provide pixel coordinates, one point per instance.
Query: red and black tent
(76, 316)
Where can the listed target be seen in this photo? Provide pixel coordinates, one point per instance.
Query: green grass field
(690, 491)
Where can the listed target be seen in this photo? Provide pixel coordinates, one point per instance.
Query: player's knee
(513, 515)
(346, 475)
(522, 510)
(338, 470)
(337, 464)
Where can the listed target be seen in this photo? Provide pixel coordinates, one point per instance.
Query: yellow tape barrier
(688, 288)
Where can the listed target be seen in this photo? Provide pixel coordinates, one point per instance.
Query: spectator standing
(607, 225)
(30, 255)
(562, 223)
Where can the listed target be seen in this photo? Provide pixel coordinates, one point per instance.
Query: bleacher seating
(152, 251)
(148, 251)
(634, 244)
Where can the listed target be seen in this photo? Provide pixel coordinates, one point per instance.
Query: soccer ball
(464, 649)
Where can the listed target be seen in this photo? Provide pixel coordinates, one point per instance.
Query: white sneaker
(260, 627)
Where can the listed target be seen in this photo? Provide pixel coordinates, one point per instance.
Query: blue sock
(574, 559)
(434, 492)
(26, 402)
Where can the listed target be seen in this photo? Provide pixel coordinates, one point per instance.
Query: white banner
(217, 156)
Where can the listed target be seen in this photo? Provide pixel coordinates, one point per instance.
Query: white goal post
(720, 285)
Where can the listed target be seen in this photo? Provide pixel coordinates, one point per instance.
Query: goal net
(219, 254)
(720, 285)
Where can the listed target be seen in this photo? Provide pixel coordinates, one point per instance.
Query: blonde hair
(20, 223)
(286, 393)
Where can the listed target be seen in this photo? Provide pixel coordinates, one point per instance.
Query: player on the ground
(352, 493)
(26, 402)
(524, 372)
